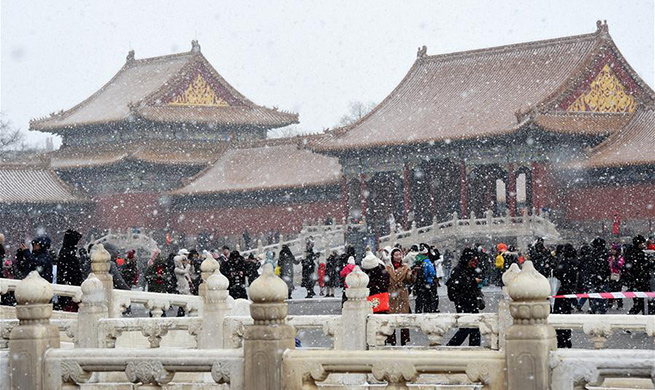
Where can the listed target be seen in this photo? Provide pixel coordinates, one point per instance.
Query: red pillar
(364, 198)
(536, 204)
(344, 197)
(407, 195)
(462, 188)
(511, 185)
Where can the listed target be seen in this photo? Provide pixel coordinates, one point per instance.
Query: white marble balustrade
(600, 327)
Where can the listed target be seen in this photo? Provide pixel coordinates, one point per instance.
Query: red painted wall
(129, 210)
(262, 219)
(544, 191)
(597, 203)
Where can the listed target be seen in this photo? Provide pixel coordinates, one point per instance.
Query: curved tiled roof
(141, 89)
(277, 165)
(634, 145)
(482, 93)
(21, 184)
(582, 123)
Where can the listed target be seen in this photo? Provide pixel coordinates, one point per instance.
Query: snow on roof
(272, 166)
(21, 184)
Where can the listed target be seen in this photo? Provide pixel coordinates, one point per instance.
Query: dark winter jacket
(69, 269)
(463, 290)
(332, 271)
(234, 270)
(638, 268)
(600, 271)
(158, 276)
(309, 270)
(567, 272)
(286, 260)
(40, 261)
(378, 280)
(541, 258)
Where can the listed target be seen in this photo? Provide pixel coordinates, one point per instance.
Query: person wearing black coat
(638, 268)
(119, 282)
(286, 261)
(378, 277)
(541, 258)
(465, 293)
(234, 270)
(600, 275)
(309, 270)
(332, 270)
(69, 269)
(39, 259)
(567, 272)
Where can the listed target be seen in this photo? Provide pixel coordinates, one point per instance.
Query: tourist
(410, 257)
(157, 275)
(235, 272)
(615, 262)
(332, 273)
(499, 262)
(638, 268)
(225, 254)
(541, 258)
(286, 261)
(309, 268)
(39, 259)
(183, 274)
(600, 275)
(321, 275)
(400, 277)
(196, 273)
(447, 264)
(585, 258)
(69, 269)
(464, 292)
(347, 269)
(378, 282)
(484, 263)
(566, 272)
(130, 271)
(253, 264)
(426, 278)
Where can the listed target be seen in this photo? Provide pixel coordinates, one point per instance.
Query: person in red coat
(321, 275)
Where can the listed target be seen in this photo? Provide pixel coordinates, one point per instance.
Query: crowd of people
(395, 274)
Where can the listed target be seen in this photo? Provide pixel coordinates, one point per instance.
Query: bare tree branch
(356, 110)
(10, 137)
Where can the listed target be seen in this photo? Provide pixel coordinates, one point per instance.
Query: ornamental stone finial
(195, 46)
(130, 57)
(33, 290)
(208, 266)
(100, 259)
(268, 288)
(217, 285)
(92, 290)
(268, 293)
(357, 282)
(510, 274)
(529, 285)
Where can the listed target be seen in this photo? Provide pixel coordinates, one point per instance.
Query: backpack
(500, 261)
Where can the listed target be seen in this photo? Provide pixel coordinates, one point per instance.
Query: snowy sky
(310, 57)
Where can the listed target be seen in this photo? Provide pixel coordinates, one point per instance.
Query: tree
(356, 110)
(10, 137)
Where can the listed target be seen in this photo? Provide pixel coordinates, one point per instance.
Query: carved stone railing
(434, 326)
(67, 328)
(154, 329)
(460, 228)
(233, 327)
(600, 327)
(156, 303)
(61, 290)
(145, 366)
(304, 369)
(575, 369)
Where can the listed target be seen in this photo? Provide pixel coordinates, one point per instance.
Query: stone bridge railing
(524, 228)
(266, 357)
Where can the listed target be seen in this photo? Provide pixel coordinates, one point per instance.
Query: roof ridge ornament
(195, 46)
(422, 52)
(602, 28)
(130, 57)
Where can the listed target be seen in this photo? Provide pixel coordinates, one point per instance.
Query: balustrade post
(265, 342)
(530, 339)
(92, 309)
(100, 266)
(215, 309)
(34, 334)
(504, 316)
(355, 311)
(207, 268)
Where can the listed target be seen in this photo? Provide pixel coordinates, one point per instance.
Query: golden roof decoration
(604, 94)
(199, 93)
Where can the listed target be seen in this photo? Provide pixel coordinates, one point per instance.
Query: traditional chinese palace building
(564, 125)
